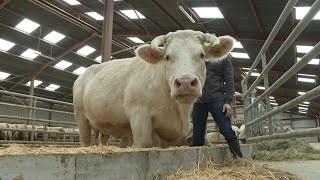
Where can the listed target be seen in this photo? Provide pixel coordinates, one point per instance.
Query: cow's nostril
(177, 83)
(193, 83)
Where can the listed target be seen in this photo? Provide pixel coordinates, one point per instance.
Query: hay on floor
(285, 149)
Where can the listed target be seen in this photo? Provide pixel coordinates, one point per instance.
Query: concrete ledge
(125, 165)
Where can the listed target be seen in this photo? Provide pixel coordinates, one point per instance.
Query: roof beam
(195, 15)
(3, 3)
(167, 13)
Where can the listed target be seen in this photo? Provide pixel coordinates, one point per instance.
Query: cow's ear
(220, 50)
(148, 54)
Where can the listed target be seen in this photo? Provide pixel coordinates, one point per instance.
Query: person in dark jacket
(217, 95)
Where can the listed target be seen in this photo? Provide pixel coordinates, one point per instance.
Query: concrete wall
(122, 166)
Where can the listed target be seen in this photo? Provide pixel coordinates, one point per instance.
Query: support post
(107, 31)
(245, 105)
(33, 117)
(31, 92)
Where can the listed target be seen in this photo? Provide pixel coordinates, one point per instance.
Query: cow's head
(183, 54)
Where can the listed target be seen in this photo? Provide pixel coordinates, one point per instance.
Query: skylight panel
(303, 49)
(86, 50)
(30, 54)
(80, 70)
(275, 104)
(261, 88)
(303, 108)
(302, 11)
(98, 58)
(271, 97)
(208, 12)
(303, 112)
(309, 75)
(135, 39)
(72, 2)
(239, 55)
(4, 75)
(95, 15)
(238, 45)
(63, 64)
(272, 100)
(304, 105)
(132, 15)
(313, 61)
(36, 83)
(254, 74)
(6, 45)
(27, 25)
(52, 87)
(301, 93)
(306, 102)
(54, 37)
(306, 80)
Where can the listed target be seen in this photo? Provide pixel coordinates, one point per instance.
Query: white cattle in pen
(4, 135)
(151, 95)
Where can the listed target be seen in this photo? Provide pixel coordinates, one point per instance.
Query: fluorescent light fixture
(260, 87)
(80, 70)
(303, 49)
(30, 54)
(52, 87)
(135, 39)
(27, 25)
(301, 93)
(95, 15)
(306, 80)
(309, 75)
(302, 11)
(306, 102)
(254, 74)
(303, 108)
(36, 83)
(4, 75)
(271, 97)
(313, 61)
(72, 2)
(208, 12)
(238, 45)
(54, 37)
(99, 58)
(275, 104)
(86, 50)
(304, 105)
(63, 64)
(6, 45)
(186, 14)
(239, 55)
(132, 15)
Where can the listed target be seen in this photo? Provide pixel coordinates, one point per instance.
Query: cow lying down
(148, 97)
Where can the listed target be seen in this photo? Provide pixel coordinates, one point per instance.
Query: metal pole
(282, 18)
(306, 97)
(31, 92)
(37, 120)
(107, 31)
(33, 118)
(292, 71)
(245, 104)
(266, 85)
(302, 133)
(288, 42)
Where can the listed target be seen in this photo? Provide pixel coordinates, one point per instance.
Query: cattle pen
(46, 46)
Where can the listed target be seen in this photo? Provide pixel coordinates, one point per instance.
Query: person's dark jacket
(219, 84)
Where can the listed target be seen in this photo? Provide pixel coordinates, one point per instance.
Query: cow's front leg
(141, 127)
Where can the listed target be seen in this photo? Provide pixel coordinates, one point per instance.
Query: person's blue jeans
(200, 116)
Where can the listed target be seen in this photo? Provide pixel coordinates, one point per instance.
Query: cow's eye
(167, 57)
(202, 55)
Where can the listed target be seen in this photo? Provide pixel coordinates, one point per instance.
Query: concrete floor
(307, 170)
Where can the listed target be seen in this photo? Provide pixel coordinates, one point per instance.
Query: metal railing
(251, 117)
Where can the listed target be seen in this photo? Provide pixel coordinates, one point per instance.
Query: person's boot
(235, 149)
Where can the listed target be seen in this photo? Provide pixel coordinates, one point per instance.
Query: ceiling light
(303, 108)
(132, 14)
(301, 93)
(80, 70)
(239, 55)
(86, 50)
(304, 112)
(275, 104)
(54, 37)
(254, 74)
(95, 15)
(72, 2)
(303, 49)
(302, 11)
(237, 44)
(52, 87)
(98, 58)
(135, 39)
(313, 61)
(260, 87)
(30, 54)
(306, 80)
(271, 97)
(306, 102)
(63, 64)
(4, 75)
(208, 12)
(6, 45)
(36, 83)
(272, 100)
(309, 75)
(27, 25)
(304, 105)
(186, 14)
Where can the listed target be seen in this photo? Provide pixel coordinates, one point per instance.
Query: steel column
(245, 104)
(107, 31)
(31, 92)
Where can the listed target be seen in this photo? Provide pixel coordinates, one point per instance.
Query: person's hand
(227, 109)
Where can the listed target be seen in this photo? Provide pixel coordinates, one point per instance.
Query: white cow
(150, 95)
